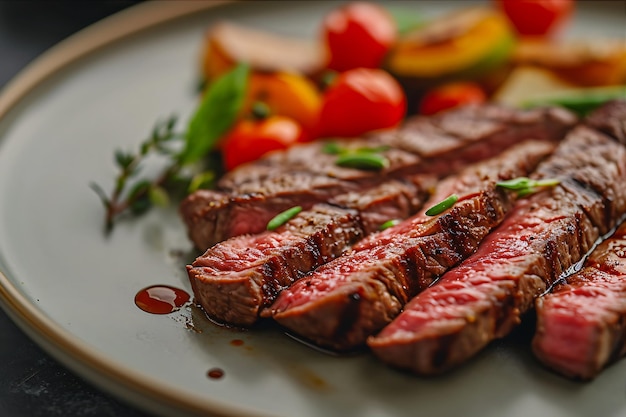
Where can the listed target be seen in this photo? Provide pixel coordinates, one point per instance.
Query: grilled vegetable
(462, 45)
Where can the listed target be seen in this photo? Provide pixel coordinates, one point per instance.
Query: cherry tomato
(250, 139)
(361, 100)
(536, 17)
(451, 95)
(358, 35)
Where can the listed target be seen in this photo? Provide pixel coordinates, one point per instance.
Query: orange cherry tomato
(250, 139)
(358, 34)
(451, 95)
(536, 17)
(361, 100)
(287, 94)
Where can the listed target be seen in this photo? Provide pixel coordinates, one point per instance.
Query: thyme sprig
(186, 153)
(141, 194)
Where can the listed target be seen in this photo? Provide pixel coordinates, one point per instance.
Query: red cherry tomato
(361, 100)
(451, 95)
(358, 35)
(250, 139)
(536, 17)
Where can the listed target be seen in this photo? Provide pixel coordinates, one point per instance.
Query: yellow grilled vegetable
(466, 44)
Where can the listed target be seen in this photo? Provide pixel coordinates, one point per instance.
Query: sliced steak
(304, 175)
(609, 119)
(547, 233)
(390, 200)
(237, 277)
(581, 324)
(254, 269)
(343, 302)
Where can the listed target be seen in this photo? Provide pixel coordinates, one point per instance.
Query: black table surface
(32, 383)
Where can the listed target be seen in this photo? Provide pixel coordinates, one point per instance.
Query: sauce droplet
(215, 373)
(161, 299)
(236, 342)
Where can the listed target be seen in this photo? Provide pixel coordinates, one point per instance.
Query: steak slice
(235, 278)
(269, 261)
(391, 200)
(546, 234)
(581, 324)
(609, 119)
(343, 302)
(248, 197)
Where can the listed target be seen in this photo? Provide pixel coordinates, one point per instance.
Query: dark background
(32, 384)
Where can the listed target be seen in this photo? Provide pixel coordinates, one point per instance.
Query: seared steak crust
(546, 234)
(346, 300)
(609, 119)
(304, 175)
(581, 324)
(234, 279)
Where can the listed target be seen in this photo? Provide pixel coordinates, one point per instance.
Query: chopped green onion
(362, 160)
(332, 148)
(580, 100)
(283, 217)
(369, 149)
(442, 206)
(388, 224)
(526, 186)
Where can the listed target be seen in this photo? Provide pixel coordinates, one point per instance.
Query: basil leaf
(215, 114)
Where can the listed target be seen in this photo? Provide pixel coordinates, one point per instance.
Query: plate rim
(86, 361)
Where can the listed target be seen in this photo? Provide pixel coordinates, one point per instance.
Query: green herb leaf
(284, 217)
(123, 159)
(201, 180)
(375, 149)
(139, 189)
(515, 184)
(216, 114)
(332, 148)
(106, 201)
(388, 224)
(362, 160)
(442, 206)
(158, 196)
(139, 198)
(581, 100)
(525, 186)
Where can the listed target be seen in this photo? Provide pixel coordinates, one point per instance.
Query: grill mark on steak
(397, 263)
(609, 119)
(535, 244)
(251, 195)
(581, 324)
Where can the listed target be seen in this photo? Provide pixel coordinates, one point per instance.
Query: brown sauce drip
(215, 373)
(236, 342)
(161, 299)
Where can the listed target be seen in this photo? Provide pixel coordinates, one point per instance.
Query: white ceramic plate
(71, 289)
